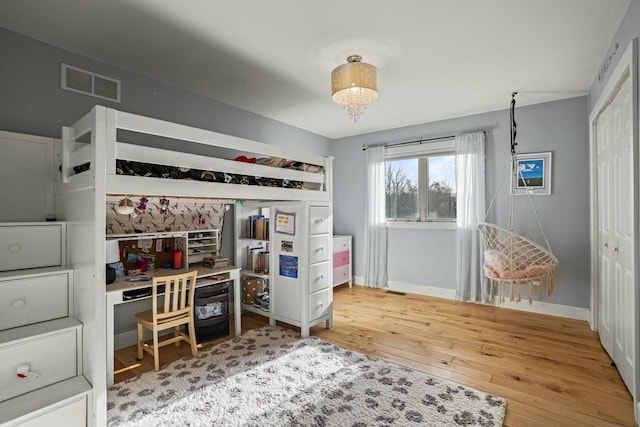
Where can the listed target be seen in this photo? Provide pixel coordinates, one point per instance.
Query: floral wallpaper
(152, 214)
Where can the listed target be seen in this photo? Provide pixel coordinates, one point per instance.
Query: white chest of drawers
(320, 293)
(41, 381)
(342, 266)
(300, 255)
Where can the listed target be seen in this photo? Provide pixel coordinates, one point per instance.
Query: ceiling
(436, 59)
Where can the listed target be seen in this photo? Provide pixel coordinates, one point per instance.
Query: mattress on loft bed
(126, 167)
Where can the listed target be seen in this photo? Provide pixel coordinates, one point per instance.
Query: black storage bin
(205, 292)
(210, 329)
(211, 312)
(211, 307)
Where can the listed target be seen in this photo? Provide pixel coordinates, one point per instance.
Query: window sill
(425, 225)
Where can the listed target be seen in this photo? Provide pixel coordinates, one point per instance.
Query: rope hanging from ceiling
(511, 259)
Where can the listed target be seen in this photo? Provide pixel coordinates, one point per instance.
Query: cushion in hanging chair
(513, 259)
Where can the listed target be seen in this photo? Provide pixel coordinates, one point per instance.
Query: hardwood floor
(552, 371)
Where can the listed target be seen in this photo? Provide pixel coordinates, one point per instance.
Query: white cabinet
(41, 381)
(299, 253)
(342, 265)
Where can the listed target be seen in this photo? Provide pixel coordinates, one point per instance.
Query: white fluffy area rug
(272, 377)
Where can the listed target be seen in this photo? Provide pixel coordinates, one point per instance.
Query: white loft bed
(81, 148)
(88, 154)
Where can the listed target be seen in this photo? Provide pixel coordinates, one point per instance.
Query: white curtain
(375, 236)
(470, 211)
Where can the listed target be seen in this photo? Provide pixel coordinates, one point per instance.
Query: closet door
(605, 234)
(624, 233)
(616, 232)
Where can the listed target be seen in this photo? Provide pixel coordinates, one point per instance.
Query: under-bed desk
(116, 294)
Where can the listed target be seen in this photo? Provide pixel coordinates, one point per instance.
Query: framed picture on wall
(532, 174)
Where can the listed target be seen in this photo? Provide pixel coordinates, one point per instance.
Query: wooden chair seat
(177, 310)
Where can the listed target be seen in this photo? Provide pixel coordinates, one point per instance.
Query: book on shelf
(262, 262)
(258, 257)
(257, 227)
(260, 229)
(251, 225)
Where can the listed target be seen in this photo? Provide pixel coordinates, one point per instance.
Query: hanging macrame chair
(511, 259)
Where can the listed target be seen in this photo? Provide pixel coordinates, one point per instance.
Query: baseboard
(539, 307)
(431, 291)
(412, 288)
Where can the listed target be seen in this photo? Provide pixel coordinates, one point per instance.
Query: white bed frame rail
(103, 148)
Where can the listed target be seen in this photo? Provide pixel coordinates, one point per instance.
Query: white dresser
(319, 289)
(342, 266)
(300, 256)
(41, 380)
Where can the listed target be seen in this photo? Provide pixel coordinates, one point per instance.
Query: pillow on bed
(245, 159)
(271, 161)
(313, 168)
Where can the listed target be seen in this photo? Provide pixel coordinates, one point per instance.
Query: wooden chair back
(178, 301)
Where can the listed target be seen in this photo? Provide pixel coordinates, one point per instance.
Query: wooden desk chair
(176, 310)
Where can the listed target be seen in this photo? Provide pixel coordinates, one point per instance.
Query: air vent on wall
(92, 84)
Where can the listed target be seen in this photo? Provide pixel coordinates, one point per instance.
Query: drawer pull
(320, 249)
(319, 220)
(320, 277)
(15, 247)
(23, 372)
(18, 303)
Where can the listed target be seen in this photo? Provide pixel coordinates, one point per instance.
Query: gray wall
(629, 29)
(33, 102)
(427, 257)
(30, 73)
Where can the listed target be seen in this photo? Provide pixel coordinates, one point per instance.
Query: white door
(605, 237)
(624, 232)
(616, 232)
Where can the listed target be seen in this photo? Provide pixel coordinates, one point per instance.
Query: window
(420, 182)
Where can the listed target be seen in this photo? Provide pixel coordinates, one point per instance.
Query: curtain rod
(415, 141)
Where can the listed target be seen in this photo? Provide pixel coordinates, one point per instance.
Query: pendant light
(354, 86)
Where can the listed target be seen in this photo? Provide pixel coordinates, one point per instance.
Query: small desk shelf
(201, 244)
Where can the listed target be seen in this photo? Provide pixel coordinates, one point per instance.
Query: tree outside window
(421, 188)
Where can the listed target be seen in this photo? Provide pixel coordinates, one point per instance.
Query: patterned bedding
(125, 167)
